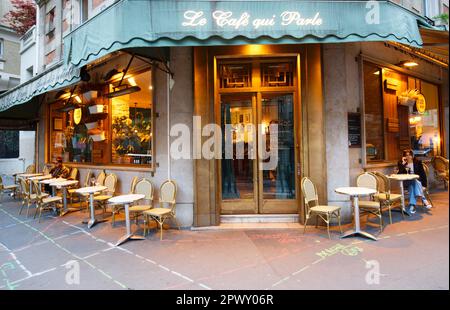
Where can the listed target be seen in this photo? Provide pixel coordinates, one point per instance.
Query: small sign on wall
(354, 129)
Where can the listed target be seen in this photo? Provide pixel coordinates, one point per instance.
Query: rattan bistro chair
(134, 181)
(115, 209)
(27, 197)
(440, 165)
(110, 183)
(30, 169)
(81, 197)
(426, 192)
(7, 188)
(167, 195)
(144, 187)
(369, 180)
(384, 195)
(43, 202)
(326, 213)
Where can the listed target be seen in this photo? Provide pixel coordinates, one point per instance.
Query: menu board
(354, 129)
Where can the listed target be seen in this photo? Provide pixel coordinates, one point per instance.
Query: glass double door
(259, 155)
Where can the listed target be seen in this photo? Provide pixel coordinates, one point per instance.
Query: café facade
(349, 85)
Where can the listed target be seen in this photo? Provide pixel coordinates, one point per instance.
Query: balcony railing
(28, 38)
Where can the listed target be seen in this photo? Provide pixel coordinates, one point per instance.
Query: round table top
(90, 189)
(64, 183)
(52, 180)
(355, 191)
(126, 198)
(41, 177)
(403, 177)
(29, 175)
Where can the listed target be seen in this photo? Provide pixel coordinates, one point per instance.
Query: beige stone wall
(11, 57)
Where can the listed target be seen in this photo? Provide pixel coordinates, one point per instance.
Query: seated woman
(411, 165)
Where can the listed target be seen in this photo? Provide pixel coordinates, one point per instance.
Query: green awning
(136, 23)
(56, 77)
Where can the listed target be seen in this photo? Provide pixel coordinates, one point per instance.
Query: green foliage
(130, 136)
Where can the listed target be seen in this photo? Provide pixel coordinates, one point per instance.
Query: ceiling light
(408, 63)
(132, 81)
(78, 99)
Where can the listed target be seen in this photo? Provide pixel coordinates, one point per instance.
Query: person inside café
(412, 165)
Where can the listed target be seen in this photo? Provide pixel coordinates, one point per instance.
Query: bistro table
(91, 190)
(401, 178)
(52, 180)
(355, 192)
(63, 185)
(127, 200)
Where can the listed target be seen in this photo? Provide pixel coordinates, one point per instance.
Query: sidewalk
(410, 254)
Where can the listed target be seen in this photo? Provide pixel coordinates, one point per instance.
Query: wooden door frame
(258, 90)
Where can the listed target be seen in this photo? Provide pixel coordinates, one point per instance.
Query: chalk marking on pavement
(298, 271)
(163, 267)
(317, 261)
(91, 255)
(113, 246)
(204, 286)
(58, 245)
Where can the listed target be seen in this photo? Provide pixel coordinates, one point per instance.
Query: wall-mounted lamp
(110, 74)
(125, 91)
(408, 63)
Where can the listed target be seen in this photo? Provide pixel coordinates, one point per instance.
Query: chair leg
(21, 207)
(145, 223)
(339, 221)
(161, 223)
(390, 214)
(40, 213)
(328, 225)
(306, 222)
(113, 217)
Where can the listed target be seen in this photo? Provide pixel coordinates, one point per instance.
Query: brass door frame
(240, 206)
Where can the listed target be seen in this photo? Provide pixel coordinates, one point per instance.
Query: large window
(107, 124)
(132, 122)
(400, 112)
(9, 144)
(373, 116)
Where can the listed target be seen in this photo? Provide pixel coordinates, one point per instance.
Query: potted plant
(126, 139)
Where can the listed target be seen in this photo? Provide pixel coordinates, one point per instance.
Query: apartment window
(50, 21)
(1, 48)
(9, 144)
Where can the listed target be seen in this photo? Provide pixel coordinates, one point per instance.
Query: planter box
(90, 95)
(94, 109)
(92, 125)
(98, 137)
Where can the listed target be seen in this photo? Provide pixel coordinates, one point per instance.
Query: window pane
(69, 140)
(373, 106)
(277, 74)
(9, 144)
(237, 137)
(132, 119)
(235, 75)
(279, 183)
(424, 125)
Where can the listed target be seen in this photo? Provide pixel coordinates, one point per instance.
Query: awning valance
(131, 23)
(56, 77)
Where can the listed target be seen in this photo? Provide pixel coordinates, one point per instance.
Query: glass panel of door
(245, 188)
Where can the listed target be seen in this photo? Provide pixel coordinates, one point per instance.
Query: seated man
(58, 171)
